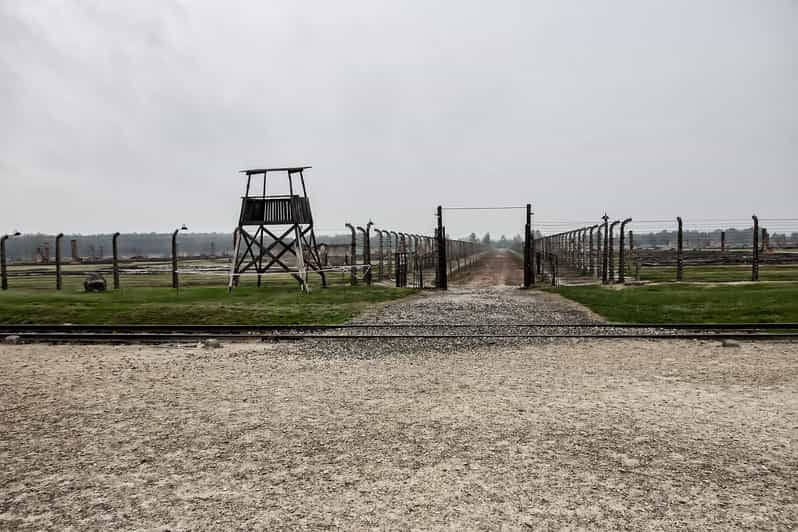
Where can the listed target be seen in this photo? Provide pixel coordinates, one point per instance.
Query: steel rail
(218, 328)
(155, 338)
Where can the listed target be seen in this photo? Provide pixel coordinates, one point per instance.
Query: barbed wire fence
(658, 250)
(365, 256)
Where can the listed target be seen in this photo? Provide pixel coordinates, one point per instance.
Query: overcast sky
(136, 116)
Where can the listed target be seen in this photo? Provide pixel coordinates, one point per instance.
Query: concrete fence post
(115, 259)
(443, 273)
(679, 249)
(382, 256)
(58, 280)
(612, 250)
(528, 247)
(597, 272)
(622, 253)
(352, 254)
(755, 258)
(175, 279)
(605, 258)
(367, 251)
(3, 265)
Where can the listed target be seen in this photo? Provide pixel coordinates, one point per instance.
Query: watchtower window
(279, 210)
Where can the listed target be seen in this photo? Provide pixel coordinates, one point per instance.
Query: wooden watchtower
(275, 232)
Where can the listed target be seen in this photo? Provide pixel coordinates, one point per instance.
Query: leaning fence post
(755, 258)
(621, 254)
(679, 250)
(115, 259)
(58, 283)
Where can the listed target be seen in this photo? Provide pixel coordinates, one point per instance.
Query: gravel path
(488, 294)
(572, 434)
(495, 305)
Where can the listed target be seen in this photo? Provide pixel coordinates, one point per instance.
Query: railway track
(117, 334)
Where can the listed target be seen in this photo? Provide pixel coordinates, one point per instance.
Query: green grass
(677, 302)
(277, 303)
(718, 274)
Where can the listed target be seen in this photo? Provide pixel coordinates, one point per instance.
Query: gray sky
(136, 116)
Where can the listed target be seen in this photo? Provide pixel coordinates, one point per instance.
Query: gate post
(605, 258)
(443, 281)
(755, 258)
(590, 260)
(58, 283)
(621, 253)
(679, 250)
(528, 247)
(115, 247)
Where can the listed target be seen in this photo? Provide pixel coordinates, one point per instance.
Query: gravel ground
(593, 434)
(404, 433)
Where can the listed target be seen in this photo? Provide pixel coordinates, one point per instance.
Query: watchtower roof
(290, 170)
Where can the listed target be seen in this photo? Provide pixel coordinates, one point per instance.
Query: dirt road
(498, 268)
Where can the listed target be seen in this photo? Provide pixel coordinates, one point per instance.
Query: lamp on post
(3, 270)
(175, 280)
